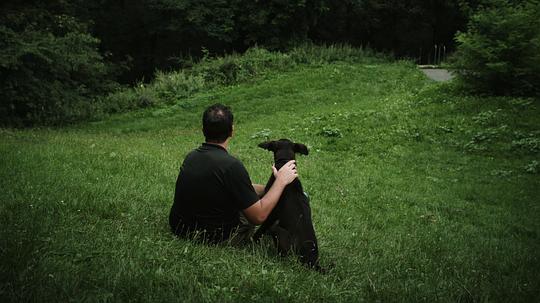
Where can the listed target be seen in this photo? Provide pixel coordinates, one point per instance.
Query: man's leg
(245, 230)
(243, 234)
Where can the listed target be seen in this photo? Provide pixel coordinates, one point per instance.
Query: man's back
(212, 187)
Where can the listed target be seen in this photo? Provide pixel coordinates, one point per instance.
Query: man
(214, 194)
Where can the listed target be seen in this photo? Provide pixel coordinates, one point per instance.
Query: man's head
(217, 123)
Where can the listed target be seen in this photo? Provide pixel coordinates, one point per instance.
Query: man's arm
(259, 189)
(259, 211)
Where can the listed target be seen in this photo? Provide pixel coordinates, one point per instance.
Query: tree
(157, 34)
(276, 23)
(406, 28)
(500, 51)
(50, 67)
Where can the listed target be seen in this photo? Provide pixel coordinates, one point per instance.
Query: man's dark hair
(217, 123)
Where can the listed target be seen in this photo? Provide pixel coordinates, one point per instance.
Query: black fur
(290, 221)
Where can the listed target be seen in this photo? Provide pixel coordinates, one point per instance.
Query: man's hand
(259, 211)
(286, 174)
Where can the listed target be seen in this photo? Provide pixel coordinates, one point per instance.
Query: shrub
(51, 69)
(231, 69)
(125, 99)
(331, 132)
(314, 54)
(174, 85)
(257, 62)
(529, 144)
(500, 52)
(533, 167)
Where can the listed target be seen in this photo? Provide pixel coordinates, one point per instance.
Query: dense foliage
(59, 59)
(50, 68)
(406, 28)
(160, 34)
(500, 51)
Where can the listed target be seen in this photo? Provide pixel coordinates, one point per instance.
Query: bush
(500, 52)
(231, 69)
(314, 54)
(140, 96)
(175, 85)
(257, 62)
(50, 67)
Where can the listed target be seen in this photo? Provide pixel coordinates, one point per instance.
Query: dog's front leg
(282, 239)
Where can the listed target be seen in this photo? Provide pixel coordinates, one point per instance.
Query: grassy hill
(418, 193)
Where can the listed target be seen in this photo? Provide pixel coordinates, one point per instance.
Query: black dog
(290, 221)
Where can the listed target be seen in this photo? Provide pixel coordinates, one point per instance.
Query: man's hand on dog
(286, 174)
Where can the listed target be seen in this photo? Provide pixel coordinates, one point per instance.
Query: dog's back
(290, 221)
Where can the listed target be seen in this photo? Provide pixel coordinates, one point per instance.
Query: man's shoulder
(220, 157)
(235, 164)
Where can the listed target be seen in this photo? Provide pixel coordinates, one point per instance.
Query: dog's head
(284, 150)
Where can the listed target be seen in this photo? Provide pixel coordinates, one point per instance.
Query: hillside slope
(418, 194)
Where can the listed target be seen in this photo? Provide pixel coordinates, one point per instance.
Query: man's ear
(301, 148)
(268, 145)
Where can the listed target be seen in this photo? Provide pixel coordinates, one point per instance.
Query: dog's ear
(268, 145)
(301, 148)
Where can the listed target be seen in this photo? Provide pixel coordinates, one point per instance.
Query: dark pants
(243, 233)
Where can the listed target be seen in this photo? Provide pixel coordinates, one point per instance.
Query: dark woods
(55, 55)
(146, 35)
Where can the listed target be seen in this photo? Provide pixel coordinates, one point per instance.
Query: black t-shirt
(212, 187)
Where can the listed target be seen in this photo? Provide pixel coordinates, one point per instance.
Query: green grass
(418, 194)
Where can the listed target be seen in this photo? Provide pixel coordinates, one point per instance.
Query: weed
(487, 118)
(485, 138)
(501, 173)
(174, 86)
(528, 144)
(331, 132)
(262, 134)
(532, 167)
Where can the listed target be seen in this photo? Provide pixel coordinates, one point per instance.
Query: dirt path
(438, 74)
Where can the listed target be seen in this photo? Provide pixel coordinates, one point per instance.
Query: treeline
(146, 35)
(58, 56)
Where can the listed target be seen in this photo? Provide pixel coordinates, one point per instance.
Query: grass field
(418, 193)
